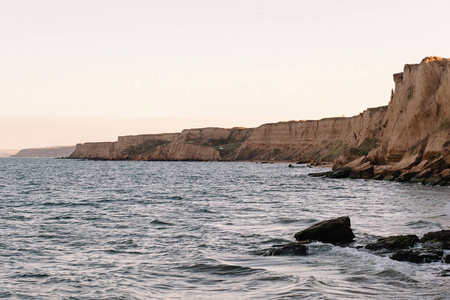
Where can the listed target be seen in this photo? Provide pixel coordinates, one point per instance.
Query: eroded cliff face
(207, 144)
(321, 140)
(417, 113)
(409, 137)
(415, 132)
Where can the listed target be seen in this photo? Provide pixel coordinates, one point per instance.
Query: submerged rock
(417, 255)
(319, 174)
(334, 231)
(394, 242)
(288, 249)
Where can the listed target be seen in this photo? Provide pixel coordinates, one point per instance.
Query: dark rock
(434, 179)
(289, 249)
(394, 242)
(388, 178)
(424, 174)
(438, 236)
(417, 255)
(320, 174)
(378, 177)
(406, 176)
(445, 175)
(340, 173)
(437, 165)
(334, 231)
(354, 174)
(446, 259)
(367, 173)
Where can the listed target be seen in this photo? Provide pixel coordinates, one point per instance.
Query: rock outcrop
(394, 242)
(58, 151)
(334, 231)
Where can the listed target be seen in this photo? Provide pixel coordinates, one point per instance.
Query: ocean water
(73, 229)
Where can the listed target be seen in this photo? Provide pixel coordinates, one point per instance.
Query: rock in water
(340, 173)
(394, 242)
(289, 249)
(417, 256)
(334, 231)
(438, 236)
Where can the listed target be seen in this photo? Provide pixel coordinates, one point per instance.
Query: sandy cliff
(321, 140)
(415, 135)
(408, 139)
(191, 144)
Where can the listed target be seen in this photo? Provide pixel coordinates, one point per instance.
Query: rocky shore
(432, 247)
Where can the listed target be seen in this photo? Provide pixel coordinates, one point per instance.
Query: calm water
(137, 230)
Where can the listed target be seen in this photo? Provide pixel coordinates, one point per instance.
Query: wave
(221, 269)
(158, 222)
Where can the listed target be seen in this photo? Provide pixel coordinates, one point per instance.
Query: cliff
(58, 151)
(415, 135)
(318, 141)
(408, 138)
(191, 144)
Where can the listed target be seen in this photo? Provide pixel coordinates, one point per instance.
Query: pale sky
(77, 71)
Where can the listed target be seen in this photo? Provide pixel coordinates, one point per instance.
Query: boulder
(434, 179)
(424, 174)
(364, 171)
(319, 174)
(340, 173)
(446, 258)
(438, 165)
(394, 242)
(442, 236)
(417, 255)
(334, 231)
(288, 249)
(406, 176)
(445, 175)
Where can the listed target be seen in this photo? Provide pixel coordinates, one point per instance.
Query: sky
(81, 71)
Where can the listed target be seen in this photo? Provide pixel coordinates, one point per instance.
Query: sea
(80, 229)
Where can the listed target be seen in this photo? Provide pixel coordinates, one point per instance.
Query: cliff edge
(415, 132)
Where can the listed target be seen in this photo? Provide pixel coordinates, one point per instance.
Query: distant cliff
(411, 132)
(314, 141)
(308, 141)
(190, 144)
(59, 151)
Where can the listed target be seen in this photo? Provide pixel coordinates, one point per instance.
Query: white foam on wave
(362, 261)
